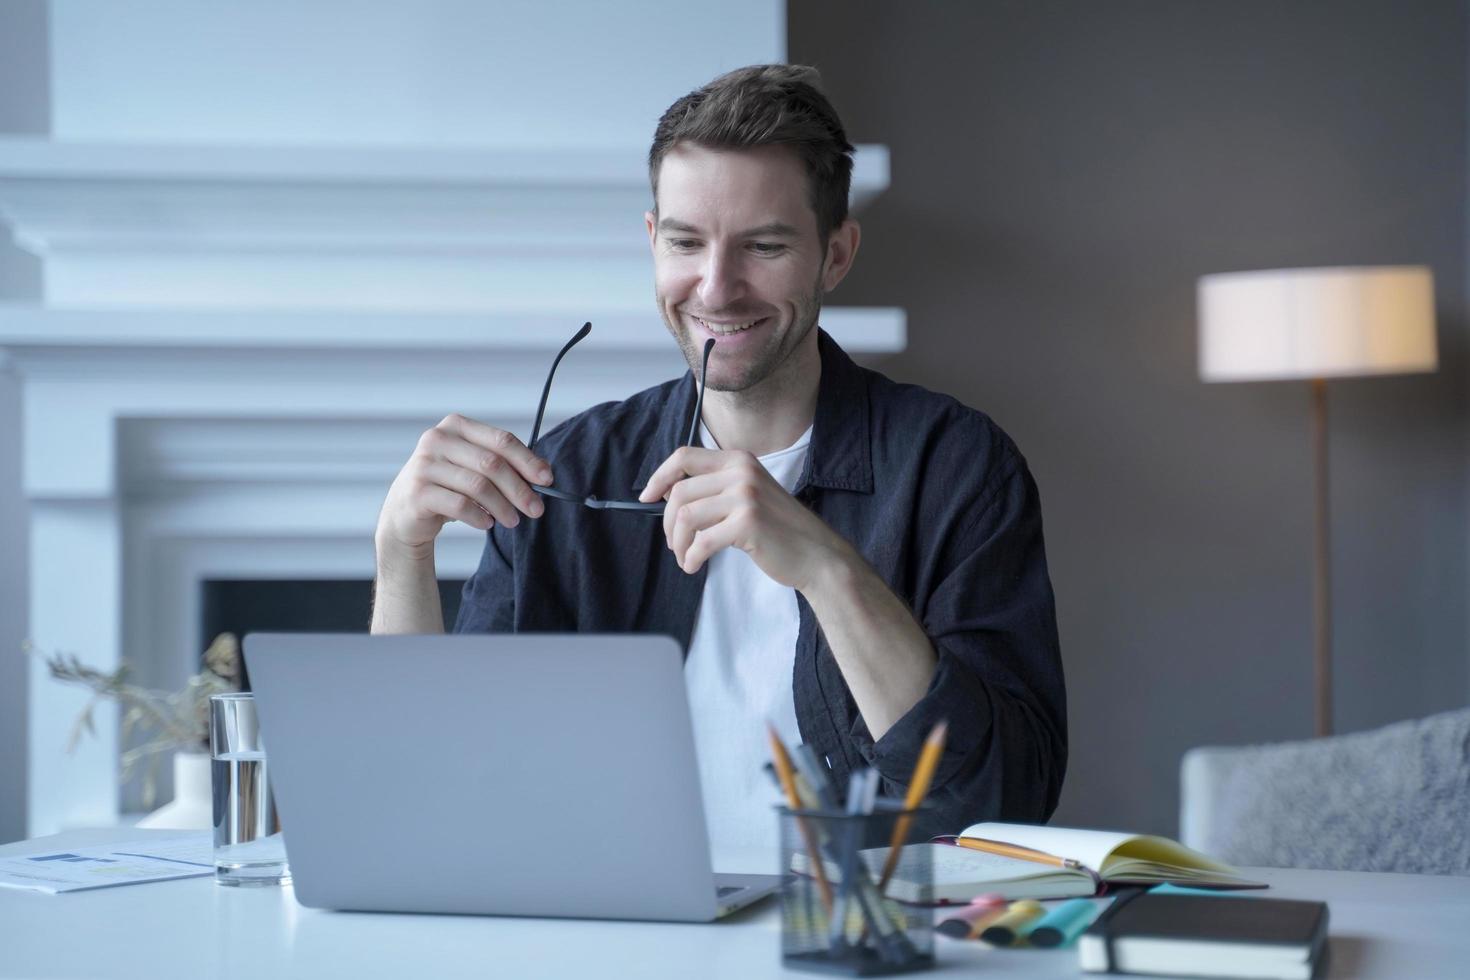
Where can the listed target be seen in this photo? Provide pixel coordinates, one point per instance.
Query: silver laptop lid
(528, 774)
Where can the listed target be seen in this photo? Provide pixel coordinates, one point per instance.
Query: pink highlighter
(969, 921)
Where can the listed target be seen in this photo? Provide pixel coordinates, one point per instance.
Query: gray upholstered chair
(1392, 799)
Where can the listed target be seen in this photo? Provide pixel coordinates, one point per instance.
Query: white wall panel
(432, 72)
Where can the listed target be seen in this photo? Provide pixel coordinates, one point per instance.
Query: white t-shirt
(738, 674)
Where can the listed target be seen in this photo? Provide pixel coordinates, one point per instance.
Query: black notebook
(1206, 936)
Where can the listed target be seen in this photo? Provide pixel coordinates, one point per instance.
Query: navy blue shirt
(934, 496)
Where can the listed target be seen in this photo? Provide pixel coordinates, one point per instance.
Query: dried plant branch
(169, 719)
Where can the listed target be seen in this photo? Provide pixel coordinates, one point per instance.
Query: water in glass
(247, 833)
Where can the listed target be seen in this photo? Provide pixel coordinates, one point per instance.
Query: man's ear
(842, 246)
(650, 221)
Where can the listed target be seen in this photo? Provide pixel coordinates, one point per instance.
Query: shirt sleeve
(992, 620)
(487, 604)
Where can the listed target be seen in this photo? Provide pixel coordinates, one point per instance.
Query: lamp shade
(1281, 324)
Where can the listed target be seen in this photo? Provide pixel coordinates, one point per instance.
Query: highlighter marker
(1063, 924)
(1014, 924)
(969, 921)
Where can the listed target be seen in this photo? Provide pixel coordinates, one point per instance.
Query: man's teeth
(725, 329)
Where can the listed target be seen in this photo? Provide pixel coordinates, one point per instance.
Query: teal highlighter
(1063, 924)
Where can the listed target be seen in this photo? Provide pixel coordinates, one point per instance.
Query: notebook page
(958, 874)
(949, 866)
(963, 866)
(1091, 847)
(1111, 853)
(1159, 857)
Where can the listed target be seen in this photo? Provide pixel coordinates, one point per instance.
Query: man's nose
(721, 283)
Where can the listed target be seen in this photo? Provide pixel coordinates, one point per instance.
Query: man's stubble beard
(767, 362)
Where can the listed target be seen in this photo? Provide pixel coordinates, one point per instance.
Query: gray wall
(25, 105)
(24, 109)
(1062, 174)
(13, 596)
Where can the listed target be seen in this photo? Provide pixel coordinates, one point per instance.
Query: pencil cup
(248, 849)
(835, 917)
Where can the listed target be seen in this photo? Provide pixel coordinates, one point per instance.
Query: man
(850, 558)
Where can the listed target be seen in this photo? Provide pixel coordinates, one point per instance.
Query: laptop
(520, 774)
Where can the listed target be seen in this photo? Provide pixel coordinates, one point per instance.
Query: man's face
(736, 257)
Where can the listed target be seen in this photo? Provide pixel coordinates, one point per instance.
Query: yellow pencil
(1015, 851)
(918, 788)
(793, 799)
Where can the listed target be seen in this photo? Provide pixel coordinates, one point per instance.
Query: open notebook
(1092, 859)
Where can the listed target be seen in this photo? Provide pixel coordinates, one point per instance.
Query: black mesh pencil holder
(837, 914)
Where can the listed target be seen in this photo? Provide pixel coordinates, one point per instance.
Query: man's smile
(727, 328)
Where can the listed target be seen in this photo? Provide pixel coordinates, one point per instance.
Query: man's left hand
(726, 499)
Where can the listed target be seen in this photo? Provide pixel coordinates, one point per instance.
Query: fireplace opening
(243, 606)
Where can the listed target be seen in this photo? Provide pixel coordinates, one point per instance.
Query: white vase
(192, 807)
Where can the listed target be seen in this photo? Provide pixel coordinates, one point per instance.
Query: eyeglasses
(655, 509)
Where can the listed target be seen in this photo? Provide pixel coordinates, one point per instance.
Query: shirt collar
(841, 453)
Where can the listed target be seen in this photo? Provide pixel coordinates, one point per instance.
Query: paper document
(107, 865)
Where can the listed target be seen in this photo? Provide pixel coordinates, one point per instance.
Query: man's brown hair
(766, 105)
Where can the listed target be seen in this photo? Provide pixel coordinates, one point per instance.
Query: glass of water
(248, 849)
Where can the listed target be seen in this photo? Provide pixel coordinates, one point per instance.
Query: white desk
(1400, 926)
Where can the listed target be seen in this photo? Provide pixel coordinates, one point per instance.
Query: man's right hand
(461, 470)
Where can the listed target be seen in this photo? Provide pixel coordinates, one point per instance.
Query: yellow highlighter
(1005, 930)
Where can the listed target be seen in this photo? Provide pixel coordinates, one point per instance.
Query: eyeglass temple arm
(709, 345)
(546, 390)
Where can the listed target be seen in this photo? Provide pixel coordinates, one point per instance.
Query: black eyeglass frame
(655, 509)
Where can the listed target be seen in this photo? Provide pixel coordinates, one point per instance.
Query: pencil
(793, 799)
(1015, 851)
(918, 788)
(874, 909)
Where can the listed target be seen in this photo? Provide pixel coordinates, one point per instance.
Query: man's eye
(683, 244)
(767, 248)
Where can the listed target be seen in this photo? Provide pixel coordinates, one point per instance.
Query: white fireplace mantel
(227, 352)
(292, 228)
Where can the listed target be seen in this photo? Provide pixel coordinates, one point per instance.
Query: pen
(918, 787)
(868, 898)
(856, 791)
(894, 946)
(805, 765)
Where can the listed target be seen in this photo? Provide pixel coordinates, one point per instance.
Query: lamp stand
(1321, 578)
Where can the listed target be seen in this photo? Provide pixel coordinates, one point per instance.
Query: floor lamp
(1315, 324)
